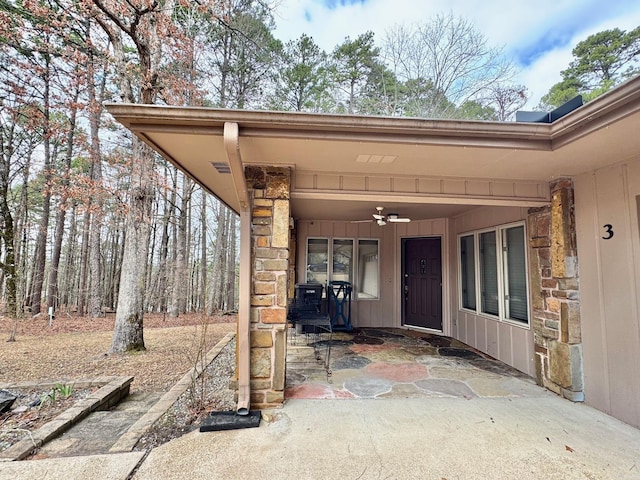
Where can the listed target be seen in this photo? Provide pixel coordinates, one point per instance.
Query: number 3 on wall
(608, 230)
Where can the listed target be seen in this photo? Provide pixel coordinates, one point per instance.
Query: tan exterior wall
(509, 343)
(610, 287)
(423, 186)
(386, 311)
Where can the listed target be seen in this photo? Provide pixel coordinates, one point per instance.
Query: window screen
(489, 273)
(515, 274)
(468, 272)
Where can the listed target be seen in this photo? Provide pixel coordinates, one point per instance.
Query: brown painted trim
(244, 309)
(424, 198)
(612, 106)
(232, 147)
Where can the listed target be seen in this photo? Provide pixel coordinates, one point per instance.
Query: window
(489, 273)
(368, 270)
(342, 265)
(317, 258)
(333, 259)
(515, 274)
(468, 271)
(495, 260)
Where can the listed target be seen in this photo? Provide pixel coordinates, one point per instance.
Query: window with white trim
(330, 259)
(493, 273)
(367, 283)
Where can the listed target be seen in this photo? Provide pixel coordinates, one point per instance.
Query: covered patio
(489, 256)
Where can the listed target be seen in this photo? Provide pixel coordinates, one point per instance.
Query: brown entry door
(422, 282)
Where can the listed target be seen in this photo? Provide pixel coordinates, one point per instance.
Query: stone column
(269, 192)
(555, 294)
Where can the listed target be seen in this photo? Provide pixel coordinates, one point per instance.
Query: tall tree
(607, 56)
(353, 64)
(301, 81)
(600, 62)
(443, 63)
(242, 53)
(145, 24)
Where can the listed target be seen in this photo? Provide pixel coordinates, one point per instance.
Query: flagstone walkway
(395, 363)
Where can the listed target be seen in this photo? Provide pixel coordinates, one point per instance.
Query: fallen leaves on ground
(77, 348)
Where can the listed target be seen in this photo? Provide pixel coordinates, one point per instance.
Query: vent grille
(221, 167)
(375, 158)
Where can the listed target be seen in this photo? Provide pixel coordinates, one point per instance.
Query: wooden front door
(422, 282)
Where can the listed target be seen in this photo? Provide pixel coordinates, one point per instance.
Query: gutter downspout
(243, 349)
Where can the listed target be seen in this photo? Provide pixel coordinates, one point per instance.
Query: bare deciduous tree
(443, 63)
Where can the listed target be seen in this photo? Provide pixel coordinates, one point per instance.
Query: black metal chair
(305, 315)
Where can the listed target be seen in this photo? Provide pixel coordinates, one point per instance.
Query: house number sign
(608, 231)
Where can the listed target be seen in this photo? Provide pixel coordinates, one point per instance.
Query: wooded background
(93, 221)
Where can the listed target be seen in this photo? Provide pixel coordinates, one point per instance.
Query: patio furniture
(340, 295)
(305, 313)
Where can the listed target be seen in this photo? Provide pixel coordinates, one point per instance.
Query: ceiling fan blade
(399, 220)
(361, 221)
(378, 217)
(381, 222)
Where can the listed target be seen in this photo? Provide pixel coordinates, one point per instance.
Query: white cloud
(542, 32)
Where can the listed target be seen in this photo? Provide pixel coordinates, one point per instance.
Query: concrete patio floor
(410, 407)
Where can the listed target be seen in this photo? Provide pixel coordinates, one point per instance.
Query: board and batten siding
(607, 203)
(387, 310)
(509, 343)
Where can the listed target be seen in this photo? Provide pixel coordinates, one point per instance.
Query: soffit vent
(221, 167)
(376, 158)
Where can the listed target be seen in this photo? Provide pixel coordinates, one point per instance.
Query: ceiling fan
(381, 219)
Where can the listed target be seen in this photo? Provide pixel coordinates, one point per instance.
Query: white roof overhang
(202, 141)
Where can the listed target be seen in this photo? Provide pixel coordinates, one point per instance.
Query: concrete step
(99, 431)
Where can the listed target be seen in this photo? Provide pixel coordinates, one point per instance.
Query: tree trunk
(231, 263)
(95, 112)
(218, 269)
(128, 331)
(117, 263)
(161, 283)
(70, 251)
(52, 292)
(84, 253)
(203, 252)
(39, 261)
(8, 262)
(180, 275)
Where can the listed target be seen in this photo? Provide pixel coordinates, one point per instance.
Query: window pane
(516, 274)
(342, 260)
(468, 272)
(368, 271)
(489, 273)
(317, 256)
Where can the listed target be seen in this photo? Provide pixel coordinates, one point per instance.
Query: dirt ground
(75, 348)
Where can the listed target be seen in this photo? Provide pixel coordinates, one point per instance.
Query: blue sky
(537, 36)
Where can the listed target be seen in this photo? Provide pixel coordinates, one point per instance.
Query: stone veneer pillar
(555, 294)
(269, 195)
